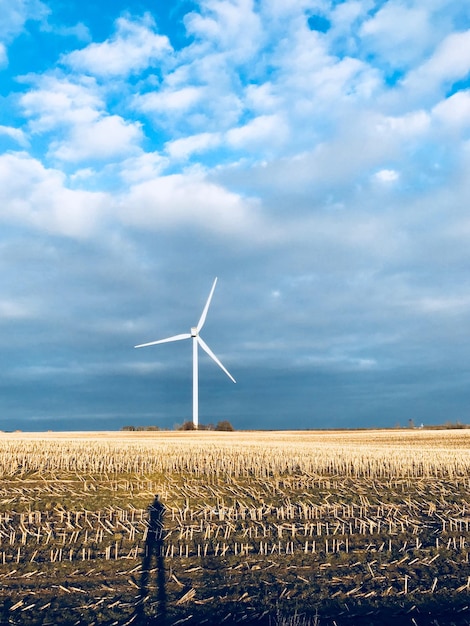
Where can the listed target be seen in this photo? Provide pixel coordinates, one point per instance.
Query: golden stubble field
(355, 527)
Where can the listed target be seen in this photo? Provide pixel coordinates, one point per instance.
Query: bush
(224, 425)
(206, 427)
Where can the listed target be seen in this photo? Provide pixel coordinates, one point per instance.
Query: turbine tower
(197, 340)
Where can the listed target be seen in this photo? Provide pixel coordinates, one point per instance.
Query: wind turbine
(197, 340)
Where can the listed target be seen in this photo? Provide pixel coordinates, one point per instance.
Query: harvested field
(338, 528)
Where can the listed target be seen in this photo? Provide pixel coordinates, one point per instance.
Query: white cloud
(264, 131)
(345, 15)
(203, 91)
(230, 25)
(314, 83)
(300, 56)
(295, 78)
(189, 200)
(59, 101)
(168, 101)
(79, 110)
(454, 111)
(329, 171)
(398, 33)
(262, 97)
(14, 133)
(346, 78)
(449, 63)
(86, 173)
(186, 147)
(105, 138)
(133, 48)
(387, 176)
(15, 14)
(80, 31)
(37, 197)
(142, 167)
(412, 124)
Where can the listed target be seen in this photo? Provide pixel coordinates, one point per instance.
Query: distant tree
(132, 428)
(224, 425)
(187, 426)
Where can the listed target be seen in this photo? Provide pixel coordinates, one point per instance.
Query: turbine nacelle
(194, 331)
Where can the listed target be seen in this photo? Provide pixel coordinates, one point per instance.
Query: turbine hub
(194, 331)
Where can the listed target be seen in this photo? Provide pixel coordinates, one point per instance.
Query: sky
(314, 155)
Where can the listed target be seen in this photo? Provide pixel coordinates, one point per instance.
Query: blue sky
(314, 155)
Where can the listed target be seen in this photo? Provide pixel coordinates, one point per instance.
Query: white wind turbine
(197, 339)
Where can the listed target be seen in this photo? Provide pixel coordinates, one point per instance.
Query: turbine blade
(174, 338)
(206, 308)
(206, 348)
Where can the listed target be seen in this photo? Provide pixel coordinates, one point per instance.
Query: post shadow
(154, 550)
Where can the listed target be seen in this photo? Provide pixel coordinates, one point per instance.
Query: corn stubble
(325, 527)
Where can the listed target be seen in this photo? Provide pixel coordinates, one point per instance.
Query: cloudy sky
(314, 155)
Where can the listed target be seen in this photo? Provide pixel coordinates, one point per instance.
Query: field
(324, 528)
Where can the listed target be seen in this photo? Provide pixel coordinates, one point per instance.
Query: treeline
(447, 426)
(223, 425)
(140, 428)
